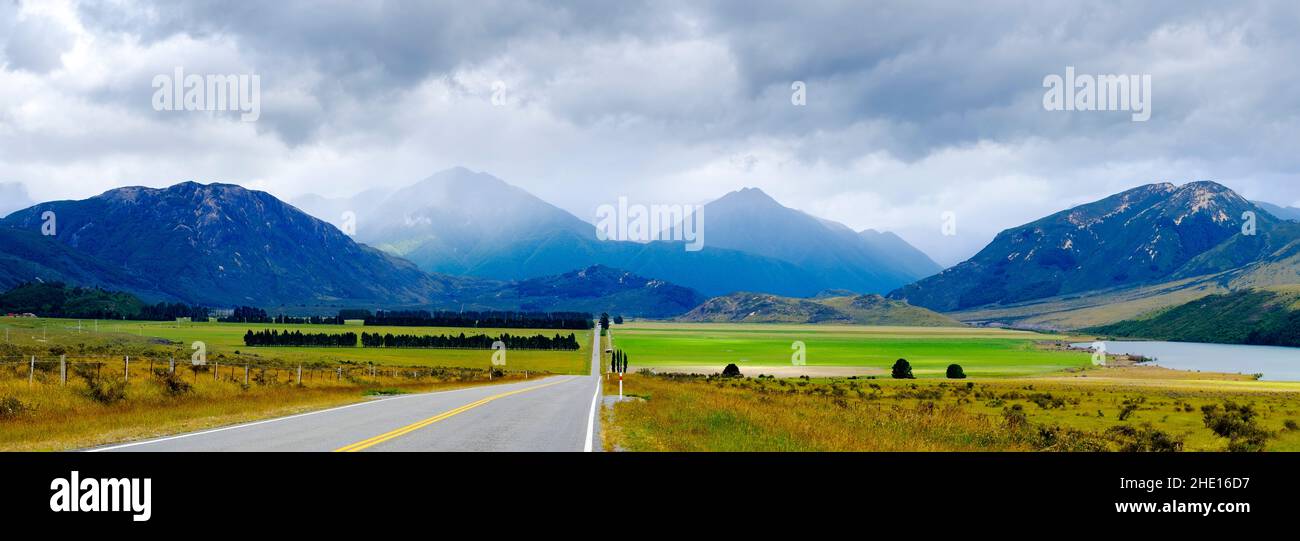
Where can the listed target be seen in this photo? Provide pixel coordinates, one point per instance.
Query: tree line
(477, 341)
(490, 319)
(56, 299)
(376, 340)
(299, 339)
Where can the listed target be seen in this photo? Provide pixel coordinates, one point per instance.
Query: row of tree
(494, 319)
(618, 362)
(300, 339)
(56, 299)
(247, 314)
(477, 341)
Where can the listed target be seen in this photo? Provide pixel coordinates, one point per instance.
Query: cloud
(913, 108)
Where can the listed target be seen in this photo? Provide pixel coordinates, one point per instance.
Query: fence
(58, 371)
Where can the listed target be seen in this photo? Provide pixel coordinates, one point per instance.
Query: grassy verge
(85, 413)
(1022, 414)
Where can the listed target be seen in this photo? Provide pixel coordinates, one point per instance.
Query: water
(1276, 363)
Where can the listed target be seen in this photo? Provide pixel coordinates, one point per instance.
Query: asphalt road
(556, 413)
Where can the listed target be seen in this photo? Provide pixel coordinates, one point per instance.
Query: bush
(955, 372)
(731, 371)
(1146, 439)
(173, 385)
(105, 390)
(902, 370)
(11, 408)
(1236, 422)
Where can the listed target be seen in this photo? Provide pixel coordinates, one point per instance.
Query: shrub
(105, 390)
(731, 371)
(173, 385)
(11, 408)
(1146, 439)
(955, 372)
(1236, 422)
(902, 370)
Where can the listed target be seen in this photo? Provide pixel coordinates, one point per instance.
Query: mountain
(1285, 213)
(858, 309)
(900, 252)
(749, 220)
(598, 289)
(468, 223)
(219, 244)
(13, 196)
(1249, 316)
(1149, 234)
(30, 257)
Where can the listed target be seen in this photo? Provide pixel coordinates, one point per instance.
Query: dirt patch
(778, 371)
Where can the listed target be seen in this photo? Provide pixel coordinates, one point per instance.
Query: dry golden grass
(57, 417)
(697, 414)
(738, 416)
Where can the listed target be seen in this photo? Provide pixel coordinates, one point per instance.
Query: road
(557, 413)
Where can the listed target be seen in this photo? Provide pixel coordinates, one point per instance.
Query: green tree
(955, 372)
(902, 370)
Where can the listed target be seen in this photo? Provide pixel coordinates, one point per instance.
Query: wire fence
(60, 370)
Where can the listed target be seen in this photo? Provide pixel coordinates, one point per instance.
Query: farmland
(119, 385)
(847, 350)
(226, 341)
(1024, 393)
(1100, 412)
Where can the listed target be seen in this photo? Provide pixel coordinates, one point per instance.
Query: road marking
(371, 442)
(275, 420)
(591, 419)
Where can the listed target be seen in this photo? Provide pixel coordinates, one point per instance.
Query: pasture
(841, 349)
(226, 340)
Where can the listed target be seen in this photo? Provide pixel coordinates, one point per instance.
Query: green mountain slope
(860, 309)
(1253, 316)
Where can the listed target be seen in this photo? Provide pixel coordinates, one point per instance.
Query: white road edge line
(275, 420)
(591, 419)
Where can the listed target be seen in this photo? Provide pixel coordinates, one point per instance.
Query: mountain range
(1152, 233)
(467, 223)
(462, 239)
(849, 309)
(223, 245)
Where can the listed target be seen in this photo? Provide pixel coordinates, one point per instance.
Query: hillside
(221, 244)
(861, 310)
(598, 289)
(1254, 316)
(1151, 234)
(466, 223)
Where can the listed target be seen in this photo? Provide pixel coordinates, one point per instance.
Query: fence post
(171, 365)
(216, 370)
(126, 369)
(246, 374)
(31, 372)
(300, 374)
(338, 374)
(63, 369)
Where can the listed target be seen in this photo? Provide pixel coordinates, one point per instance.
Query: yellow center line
(371, 442)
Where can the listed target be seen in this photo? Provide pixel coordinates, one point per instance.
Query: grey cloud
(34, 44)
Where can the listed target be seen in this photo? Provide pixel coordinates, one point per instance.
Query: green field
(228, 338)
(754, 347)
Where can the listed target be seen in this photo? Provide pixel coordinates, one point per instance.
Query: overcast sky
(913, 108)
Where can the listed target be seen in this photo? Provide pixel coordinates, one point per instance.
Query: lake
(1276, 363)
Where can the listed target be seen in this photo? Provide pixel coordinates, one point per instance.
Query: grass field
(756, 347)
(667, 413)
(223, 340)
(99, 405)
